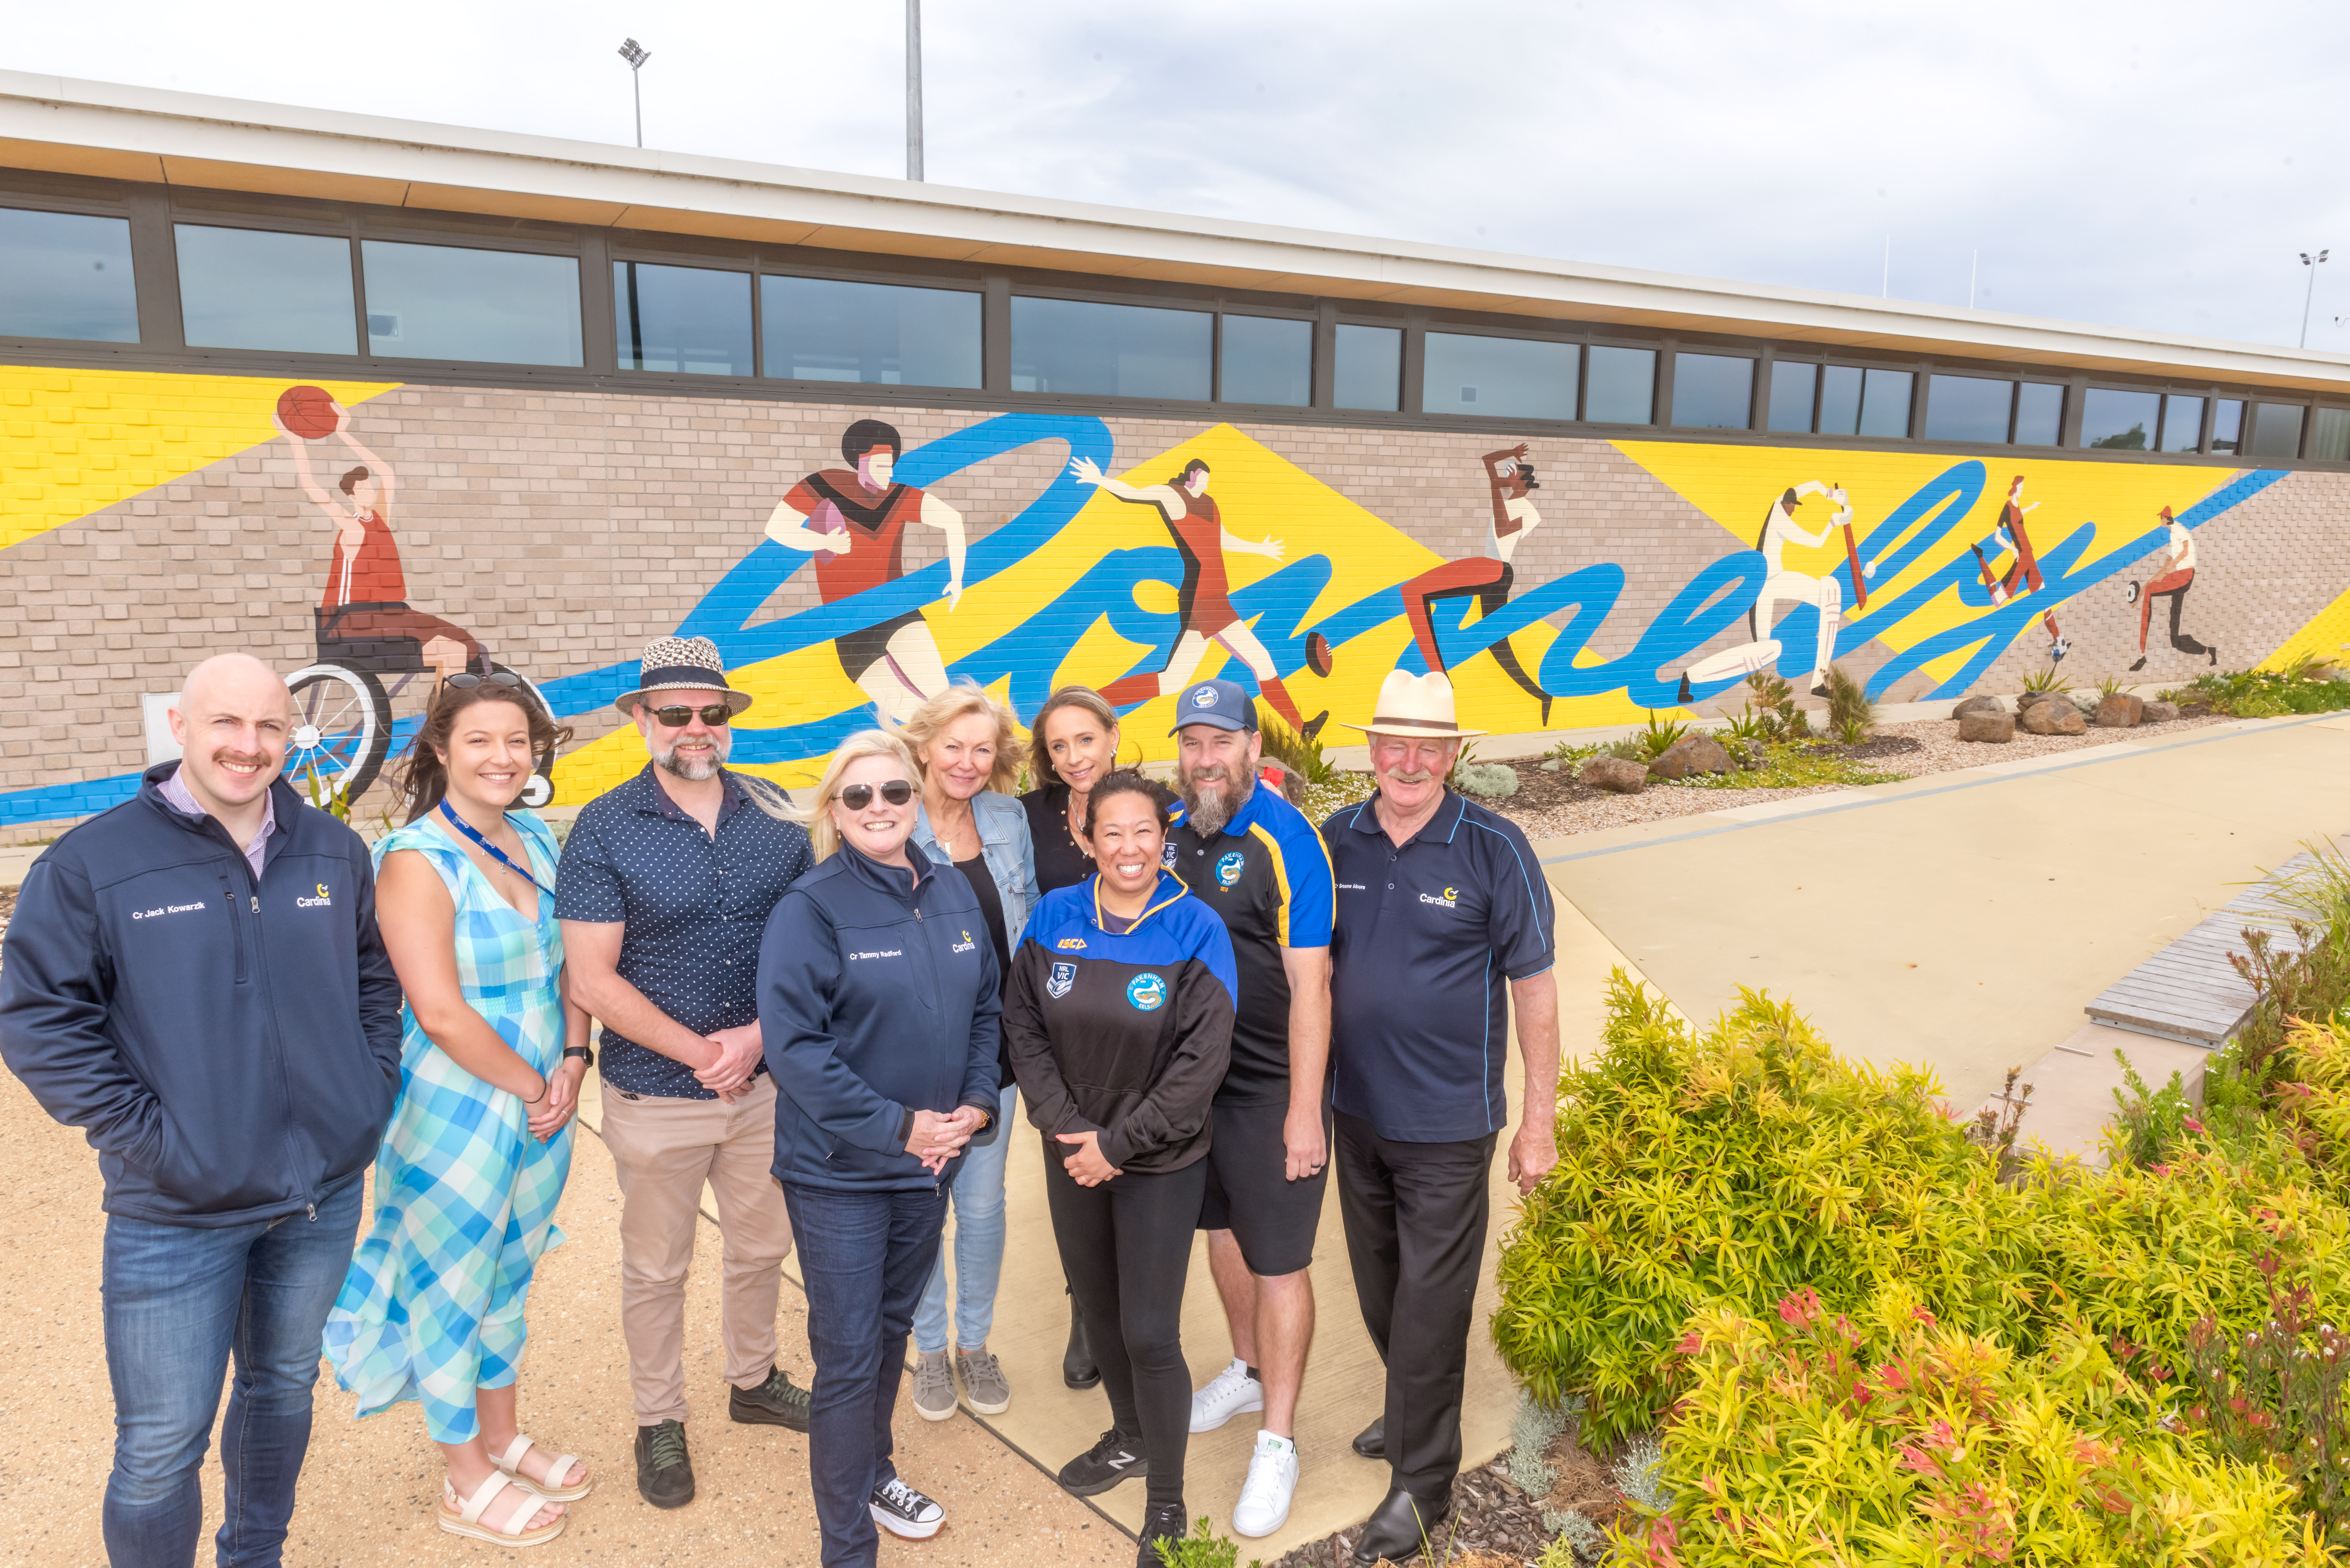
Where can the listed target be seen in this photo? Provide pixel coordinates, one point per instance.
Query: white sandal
(467, 1521)
(511, 1463)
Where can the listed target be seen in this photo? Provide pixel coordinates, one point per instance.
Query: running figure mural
(854, 522)
(1207, 615)
(2025, 571)
(1509, 479)
(1780, 586)
(2176, 576)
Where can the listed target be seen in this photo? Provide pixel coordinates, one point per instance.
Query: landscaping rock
(2159, 714)
(1978, 705)
(2033, 698)
(1995, 728)
(2120, 711)
(1615, 775)
(1691, 754)
(2054, 719)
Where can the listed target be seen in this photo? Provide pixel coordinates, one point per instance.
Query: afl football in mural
(374, 540)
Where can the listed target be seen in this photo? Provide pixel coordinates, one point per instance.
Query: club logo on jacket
(963, 946)
(1229, 869)
(325, 901)
(1057, 983)
(1146, 992)
(1167, 855)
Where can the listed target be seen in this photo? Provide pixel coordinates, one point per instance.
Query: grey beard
(694, 773)
(1209, 814)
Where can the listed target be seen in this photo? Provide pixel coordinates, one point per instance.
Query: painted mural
(1132, 557)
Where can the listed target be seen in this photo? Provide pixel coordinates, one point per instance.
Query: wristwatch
(581, 1052)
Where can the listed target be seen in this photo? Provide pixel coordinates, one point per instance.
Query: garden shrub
(1799, 1442)
(1720, 1170)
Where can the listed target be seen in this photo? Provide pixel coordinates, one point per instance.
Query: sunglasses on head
(676, 717)
(466, 682)
(856, 797)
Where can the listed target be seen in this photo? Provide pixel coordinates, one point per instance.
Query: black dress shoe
(1077, 1368)
(1371, 1442)
(1399, 1527)
(664, 1469)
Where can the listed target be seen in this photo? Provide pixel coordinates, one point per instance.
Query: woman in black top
(1073, 742)
(1118, 1018)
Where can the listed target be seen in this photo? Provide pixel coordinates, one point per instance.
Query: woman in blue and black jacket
(1119, 1018)
(877, 1012)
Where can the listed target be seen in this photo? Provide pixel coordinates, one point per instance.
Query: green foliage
(2274, 1399)
(1791, 765)
(1773, 710)
(2043, 680)
(1531, 1432)
(1850, 712)
(2111, 686)
(1343, 789)
(1202, 1548)
(1659, 737)
(1750, 729)
(1722, 1169)
(1294, 751)
(325, 797)
(2146, 1122)
(1487, 781)
(1818, 1437)
(2270, 693)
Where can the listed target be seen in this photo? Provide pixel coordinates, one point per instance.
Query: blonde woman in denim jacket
(968, 746)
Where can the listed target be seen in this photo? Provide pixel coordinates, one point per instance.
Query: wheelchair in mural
(346, 719)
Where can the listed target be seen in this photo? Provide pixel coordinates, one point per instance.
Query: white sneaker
(902, 1510)
(1264, 1506)
(1230, 1393)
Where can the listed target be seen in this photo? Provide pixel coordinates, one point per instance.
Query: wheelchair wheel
(342, 732)
(540, 790)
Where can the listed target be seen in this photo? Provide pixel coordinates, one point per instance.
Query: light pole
(914, 90)
(636, 54)
(2310, 293)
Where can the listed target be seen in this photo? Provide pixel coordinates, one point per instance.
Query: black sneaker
(1162, 1523)
(1114, 1458)
(902, 1510)
(664, 1469)
(777, 1402)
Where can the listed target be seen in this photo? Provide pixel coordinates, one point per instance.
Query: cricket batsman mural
(1783, 587)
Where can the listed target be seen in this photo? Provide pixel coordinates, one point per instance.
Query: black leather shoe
(1399, 1527)
(1371, 1442)
(1077, 1368)
(664, 1469)
(777, 1402)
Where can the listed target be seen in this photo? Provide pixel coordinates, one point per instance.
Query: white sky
(2156, 164)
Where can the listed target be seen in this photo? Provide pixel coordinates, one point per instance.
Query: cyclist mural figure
(1509, 478)
(1781, 586)
(1207, 614)
(854, 522)
(364, 615)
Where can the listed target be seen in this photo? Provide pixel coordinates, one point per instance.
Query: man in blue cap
(1255, 860)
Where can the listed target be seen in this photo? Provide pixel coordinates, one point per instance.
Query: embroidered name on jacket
(158, 913)
(886, 952)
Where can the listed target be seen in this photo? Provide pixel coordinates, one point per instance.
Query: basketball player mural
(854, 522)
(1207, 615)
(2023, 571)
(364, 612)
(1509, 478)
(2172, 581)
(1780, 586)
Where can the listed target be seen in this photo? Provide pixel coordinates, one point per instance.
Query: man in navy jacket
(195, 979)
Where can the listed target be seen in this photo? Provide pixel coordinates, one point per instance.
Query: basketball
(1317, 653)
(306, 412)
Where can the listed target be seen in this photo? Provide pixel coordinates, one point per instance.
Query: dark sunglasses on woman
(467, 681)
(856, 797)
(678, 718)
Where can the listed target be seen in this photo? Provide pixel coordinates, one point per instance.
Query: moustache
(1422, 776)
(242, 759)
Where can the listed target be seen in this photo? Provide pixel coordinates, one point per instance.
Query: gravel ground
(1555, 805)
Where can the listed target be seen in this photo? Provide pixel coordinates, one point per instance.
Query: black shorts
(1249, 1192)
(861, 649)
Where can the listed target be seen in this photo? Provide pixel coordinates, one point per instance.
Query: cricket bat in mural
(1852, 554)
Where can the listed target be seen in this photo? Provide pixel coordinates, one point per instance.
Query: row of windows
(71, 276)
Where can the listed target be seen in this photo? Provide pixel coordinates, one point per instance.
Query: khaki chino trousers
(662, 1150)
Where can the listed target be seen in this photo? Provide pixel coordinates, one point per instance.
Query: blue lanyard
(492, 850)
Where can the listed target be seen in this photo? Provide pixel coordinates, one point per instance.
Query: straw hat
(1415, 705)
(682, 664)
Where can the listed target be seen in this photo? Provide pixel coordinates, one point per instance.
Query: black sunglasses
(856, 797)
(716, 715)
(467, 681)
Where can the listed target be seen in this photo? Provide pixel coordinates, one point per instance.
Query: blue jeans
(864, 1256)
(978, 1246)
(178, 1302)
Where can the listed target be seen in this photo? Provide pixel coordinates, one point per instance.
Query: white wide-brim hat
(682, 664)
(1415, 705)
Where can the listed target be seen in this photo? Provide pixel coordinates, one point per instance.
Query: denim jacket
(1003, 842)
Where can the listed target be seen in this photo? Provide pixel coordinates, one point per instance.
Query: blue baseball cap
(1220, 704)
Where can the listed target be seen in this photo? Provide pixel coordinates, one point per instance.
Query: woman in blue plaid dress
(480, 1141)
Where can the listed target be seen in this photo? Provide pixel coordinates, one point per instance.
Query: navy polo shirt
(696, 907)
(1429, 937)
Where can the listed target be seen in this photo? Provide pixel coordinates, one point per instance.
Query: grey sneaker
(934, 1387)
(983, 1383)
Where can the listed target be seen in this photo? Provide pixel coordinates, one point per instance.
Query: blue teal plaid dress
(432, 1306)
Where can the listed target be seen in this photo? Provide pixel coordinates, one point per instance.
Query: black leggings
(1125, 1247)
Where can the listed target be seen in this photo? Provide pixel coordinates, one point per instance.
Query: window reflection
(445, 301)
(66, 275)
(2227, 424)
(1503, 378)
(1792, 386)
(1840, 399)
(689, 319)
(248, 288)
(1267, 361)
(1367, 372)
(2120, 421)
(2329, 435)
(2182, 424)
(2276, 429)
(2039, 414)
(1968, 408)
(829, 329)
(1110, 350)
(1713, 392)
(1884, 402)
(1622, 389)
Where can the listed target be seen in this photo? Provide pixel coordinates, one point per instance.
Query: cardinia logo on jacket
(963, 946)
(325, 901)
(1450, 899)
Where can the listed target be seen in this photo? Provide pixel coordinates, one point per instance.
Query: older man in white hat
(664, 891)
(1443, 922)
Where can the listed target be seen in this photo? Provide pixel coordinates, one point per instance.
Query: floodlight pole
(914, 90)
(636, 54)
(2307, 296)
